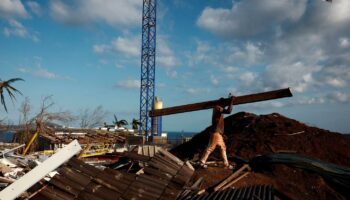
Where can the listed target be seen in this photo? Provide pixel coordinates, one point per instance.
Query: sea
(175, 135)
(6, 136)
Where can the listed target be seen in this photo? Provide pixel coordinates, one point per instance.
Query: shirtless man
(216, 138)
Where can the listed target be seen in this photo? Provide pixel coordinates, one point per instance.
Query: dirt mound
(248, 135)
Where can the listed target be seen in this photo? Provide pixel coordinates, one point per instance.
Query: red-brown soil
(248, 135)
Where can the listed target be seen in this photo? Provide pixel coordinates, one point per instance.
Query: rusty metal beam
(251, 98)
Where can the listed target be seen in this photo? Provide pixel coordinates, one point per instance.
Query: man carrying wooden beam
(216, 132)
(218, 106)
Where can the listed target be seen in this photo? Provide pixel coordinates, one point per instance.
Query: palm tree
(135, 124)
(120, 123)
(5, 85)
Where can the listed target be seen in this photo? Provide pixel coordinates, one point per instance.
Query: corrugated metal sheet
(256, 192)
(163, 178)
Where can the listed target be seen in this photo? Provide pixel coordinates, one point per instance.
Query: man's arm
(228, 110)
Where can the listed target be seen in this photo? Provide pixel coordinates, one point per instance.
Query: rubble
(249, 135)
(162, 176)
(314, 164)
(33, 176)
(261, 192)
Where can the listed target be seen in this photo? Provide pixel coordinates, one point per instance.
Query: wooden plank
(157, 173)
(153, 181)
(251, 98)
(170, 193)
(197, 184)
(87, 196)
(118, 187)
(162, 167)
(66, 185)
(147, 188)
(55, 194)
(83, 167)
(235, 180)
(231, 177)
(73, 175)
(171, 156)
(189, 165)
(28, 180)
(135, 156)
(101, 191)
(135, 193)
(166, 162)
(120, 176)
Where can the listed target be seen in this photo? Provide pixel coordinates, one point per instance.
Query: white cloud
(128, 46)
(309, 101)
(247, 78)
(35, 7)
(230, 69)
(161, 85)
(226, 55)
(100, 48)
(298, 76)
(23, 70)
(253, 53)
(103, 61)
(41, 72)
(250, 17)
(336, 82)
(277, 104)
(165, 56)
(172, 74)
(299, 44)
(214, 80)
(12, 8)
(196, 91)
(337, 12)
(131, 46)
(17, 29)
(344, 42)
(340, 97)
(45, 73)
(128, 84)
(336, 76)
(203, 49)
(249, 54)
(113, 12)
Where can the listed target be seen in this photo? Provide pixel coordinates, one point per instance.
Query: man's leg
(222, 145)
(211, 147)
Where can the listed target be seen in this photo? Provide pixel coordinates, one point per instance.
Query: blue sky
(86, 53)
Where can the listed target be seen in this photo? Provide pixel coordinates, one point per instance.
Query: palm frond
(10, 90)
(14, 80)
(124, 122)
(3, 101)
(14, 89)
(115, 119)
(12, 97)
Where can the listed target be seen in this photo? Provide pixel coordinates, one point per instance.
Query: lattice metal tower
(148, 63)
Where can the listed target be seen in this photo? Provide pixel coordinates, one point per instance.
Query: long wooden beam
(36, 174)
(251, 98)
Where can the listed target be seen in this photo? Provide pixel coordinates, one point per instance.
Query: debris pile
(274, 156)
(161, 176)
(249, 135)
